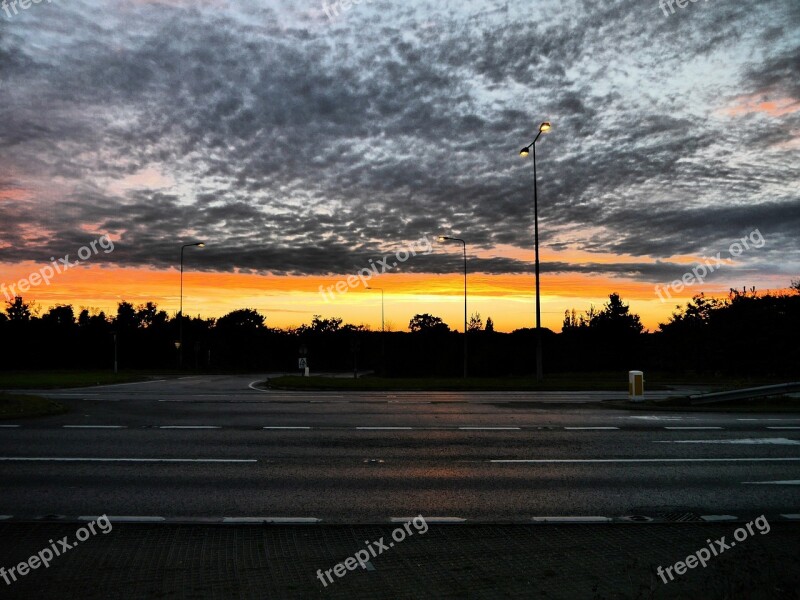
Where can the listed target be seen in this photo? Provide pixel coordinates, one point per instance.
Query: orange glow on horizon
(289, 301)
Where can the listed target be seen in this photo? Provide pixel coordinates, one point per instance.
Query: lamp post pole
(383, 334)
(544, 127)
(180, 312)
(444, 238)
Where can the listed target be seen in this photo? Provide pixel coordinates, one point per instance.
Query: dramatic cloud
(293, 143)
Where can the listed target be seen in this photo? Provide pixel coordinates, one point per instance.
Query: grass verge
(558, 382)
(16, 406)
(42, 380)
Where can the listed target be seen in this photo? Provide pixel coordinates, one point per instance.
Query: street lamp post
(180, 312)
(543, 128)
(383, 333)
(444, 238)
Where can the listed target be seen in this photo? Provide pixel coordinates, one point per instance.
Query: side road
(448, 561)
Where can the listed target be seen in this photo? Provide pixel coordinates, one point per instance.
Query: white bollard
(635, 386)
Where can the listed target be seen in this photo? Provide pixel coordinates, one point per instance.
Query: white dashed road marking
(676, 427)
(748, 441)
(589, 428)
(785, 482)
(638, 460)
(93, 426)
(131, 460)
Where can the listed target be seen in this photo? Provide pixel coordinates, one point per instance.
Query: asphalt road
(214, 447)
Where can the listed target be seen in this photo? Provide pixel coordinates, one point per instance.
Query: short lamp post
(180, 313)
(444, 238)
(383, 333)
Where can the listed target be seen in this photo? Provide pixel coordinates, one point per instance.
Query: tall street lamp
(444, 238)
(180, 313)
(383, 334)
(543, 128)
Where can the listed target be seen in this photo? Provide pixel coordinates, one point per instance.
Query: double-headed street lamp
(383, 334)
(180, 313)
(543, 128)
(444, 238)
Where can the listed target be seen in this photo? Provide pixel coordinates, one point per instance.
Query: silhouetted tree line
(744, 334)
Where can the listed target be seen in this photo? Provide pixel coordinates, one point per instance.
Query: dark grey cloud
(298, 146)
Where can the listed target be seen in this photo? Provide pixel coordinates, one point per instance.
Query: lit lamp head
(525, 151)
(200, 245)
(544, 127)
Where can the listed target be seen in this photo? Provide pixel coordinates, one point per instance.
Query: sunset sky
(303, 148)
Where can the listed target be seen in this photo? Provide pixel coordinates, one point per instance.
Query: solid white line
(286, 428)
(126, 519)
(640, 460)
(255, 388)
(93, 426)
(785, 482)
(590, 428)
(189, 427)
(786, 427)
(571, 519)
(384, 428)
(792, 517)
(490, 428)
(9, 426)
(132, 460)
(676, 427)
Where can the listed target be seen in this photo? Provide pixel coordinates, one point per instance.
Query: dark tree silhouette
(242, 319)
(616, 318)
(60, 315)
(426, 323)
(475, 322)
(126, 316)
(18, 311)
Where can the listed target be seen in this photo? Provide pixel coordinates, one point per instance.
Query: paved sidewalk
(449, 561)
